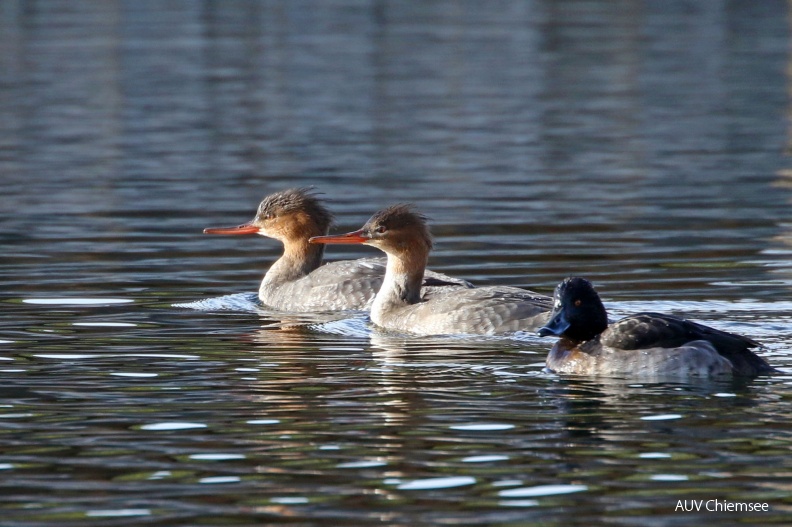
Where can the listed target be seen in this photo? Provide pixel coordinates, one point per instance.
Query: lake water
(642, 145)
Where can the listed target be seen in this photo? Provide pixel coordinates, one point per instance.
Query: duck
(403, 234)
(300, 281)
(642, 344)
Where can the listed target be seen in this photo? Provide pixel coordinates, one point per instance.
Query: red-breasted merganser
(404, 236)
(644, 344)
(298, 281)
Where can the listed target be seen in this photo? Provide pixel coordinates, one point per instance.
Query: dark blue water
(642, 145)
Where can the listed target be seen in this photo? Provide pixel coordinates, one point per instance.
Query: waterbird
(403, 234)
(299, 281)
(641, 344)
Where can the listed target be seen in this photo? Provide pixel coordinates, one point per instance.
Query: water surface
(639, 145)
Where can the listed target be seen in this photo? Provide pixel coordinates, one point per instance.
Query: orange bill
(342, 239)
(245, 228)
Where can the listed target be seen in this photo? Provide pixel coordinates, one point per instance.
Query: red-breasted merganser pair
(298, 281)
(403, 235)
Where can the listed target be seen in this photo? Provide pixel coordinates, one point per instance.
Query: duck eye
(577, 303)
(381, 229)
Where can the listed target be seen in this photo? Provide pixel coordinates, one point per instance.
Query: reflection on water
(640, 145)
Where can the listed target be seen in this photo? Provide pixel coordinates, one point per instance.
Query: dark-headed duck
(640, 344)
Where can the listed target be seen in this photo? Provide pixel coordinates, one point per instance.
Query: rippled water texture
(641, 145)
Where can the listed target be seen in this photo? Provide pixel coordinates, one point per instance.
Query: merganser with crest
(298, 281)
(403, 235)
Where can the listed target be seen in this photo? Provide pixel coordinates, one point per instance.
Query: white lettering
(717, 505)
(694, 505)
